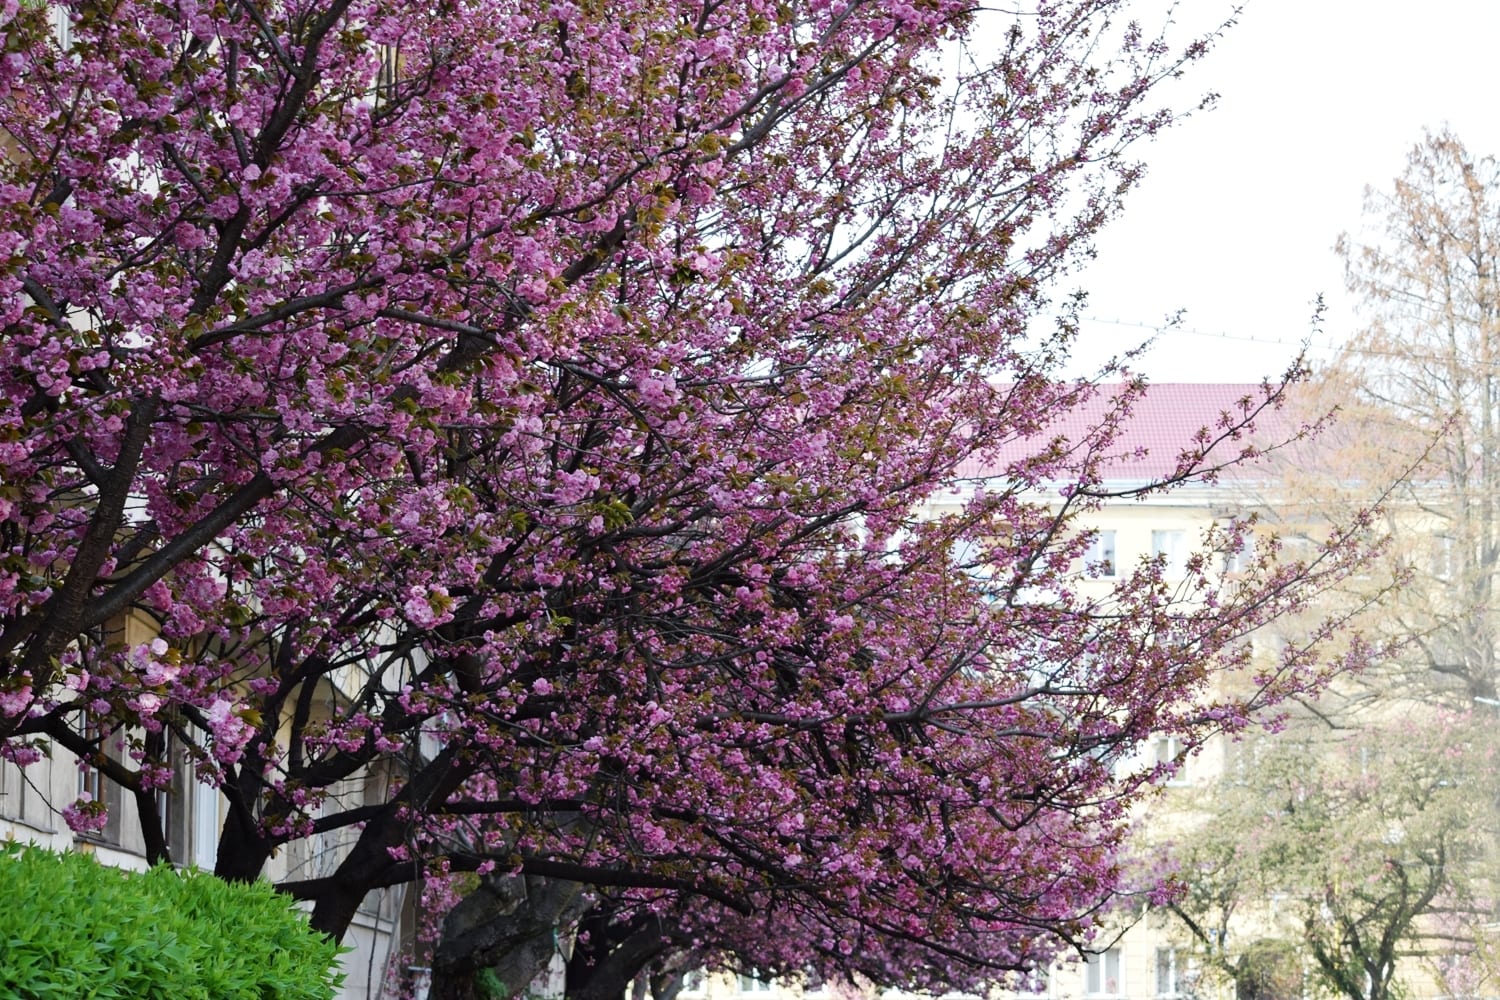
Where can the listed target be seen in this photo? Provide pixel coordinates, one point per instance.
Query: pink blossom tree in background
(533, 405)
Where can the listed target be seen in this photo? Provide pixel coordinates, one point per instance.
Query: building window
(62, 26)
(189, 811)
(93, 786)
(1239, 560)
(1171, 546)
(693, 982)
(1099, 559)
(174, 804)
(1442, 557)
(750, 982)
(1102, 976)
(388, 76)
(1166, 751)
(12, 791)
(1168, 973)
(23, 795)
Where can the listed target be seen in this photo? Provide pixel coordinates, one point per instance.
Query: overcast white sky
(1236, 219)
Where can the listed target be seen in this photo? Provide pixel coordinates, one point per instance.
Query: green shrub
(71, 928)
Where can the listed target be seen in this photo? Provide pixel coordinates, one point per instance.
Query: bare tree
(1422, 381)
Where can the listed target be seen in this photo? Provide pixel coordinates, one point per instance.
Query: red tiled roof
(1161, 425)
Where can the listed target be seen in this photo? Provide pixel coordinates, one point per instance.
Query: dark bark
(243, 851)
(605, 967)
(369, 864)
(48, 630)
(502, 936)
(667, 983)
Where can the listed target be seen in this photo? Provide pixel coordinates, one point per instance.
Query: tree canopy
(1359, 858)
(1421, 375)
(535, 406)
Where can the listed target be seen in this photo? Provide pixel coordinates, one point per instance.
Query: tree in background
(521, 415)
(1343, 857)
(1423, 379)
(1394, 859)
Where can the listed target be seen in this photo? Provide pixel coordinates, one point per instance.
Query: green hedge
(71, 928)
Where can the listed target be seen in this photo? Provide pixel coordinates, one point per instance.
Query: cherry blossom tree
(527, 412)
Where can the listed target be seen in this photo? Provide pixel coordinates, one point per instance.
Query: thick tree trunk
(606, 971)
(369, 865)
(666, 985)
(501, 937)
(243, 852)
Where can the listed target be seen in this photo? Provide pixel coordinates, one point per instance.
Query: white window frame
(12, 791)
(94, 786)
(189, 811)
(1238, 561)
(204, 850)
(1166, 749)
(1171, 543)
(1101, 559)
(751, 982)
(1442, 557)
(1169, 971)
(62, 26)
(1103, 975)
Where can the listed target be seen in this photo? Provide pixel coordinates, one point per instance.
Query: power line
(1166, 328)
(1299, 344)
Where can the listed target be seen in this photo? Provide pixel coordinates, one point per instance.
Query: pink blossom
(541, 434)
(16, 701)
(84, 815)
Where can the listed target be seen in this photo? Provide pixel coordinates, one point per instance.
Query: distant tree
(522, 413)
(1420, 386)
(1418, 392)
(1342, 857)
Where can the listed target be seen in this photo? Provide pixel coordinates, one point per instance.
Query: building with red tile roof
(1163, 423)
